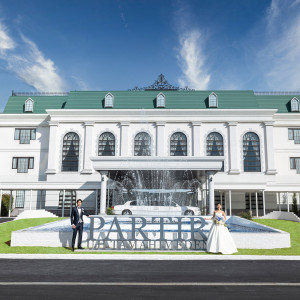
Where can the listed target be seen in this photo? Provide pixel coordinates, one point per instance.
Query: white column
(264, 203)
(1, 193)
(160, 138)
(234, 146)
(104, 179)
(124, 126)
(63, 204)
(211, 193)
(288, 201)
(278, 200)
(96, 200)
(256, 204)
(250, 204)
(196, 138)
(270, 167)
(229, 196)
(52, 162)
(30, 199)
(41, 198)
(10, 198)
(88, 146)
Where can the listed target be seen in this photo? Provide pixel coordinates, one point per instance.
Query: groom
(77, 223)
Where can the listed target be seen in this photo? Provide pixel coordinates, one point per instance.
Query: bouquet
(219, 220)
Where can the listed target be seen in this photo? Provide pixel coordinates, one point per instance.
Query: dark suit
(77, 220)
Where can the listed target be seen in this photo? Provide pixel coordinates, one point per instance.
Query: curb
(146, 257)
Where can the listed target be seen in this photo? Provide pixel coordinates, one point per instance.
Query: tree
(5, 205)
(294, 205)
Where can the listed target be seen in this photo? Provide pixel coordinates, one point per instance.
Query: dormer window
(213, 100)
(160, 100)
(294, 104)
(109, 100)
(29, 105)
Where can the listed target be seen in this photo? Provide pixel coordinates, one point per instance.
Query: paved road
(2, 220)
(66, 279)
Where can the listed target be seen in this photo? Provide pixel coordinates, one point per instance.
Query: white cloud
(6, 43)
(295, 3)
(279, 58)
(272, 12)
(191, 60)
(191, 56)
(29, 63)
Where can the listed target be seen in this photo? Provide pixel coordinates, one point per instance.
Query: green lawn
(7, 228)
(292, 227)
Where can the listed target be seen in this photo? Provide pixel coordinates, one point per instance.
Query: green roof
(16, 104)
(246, 99)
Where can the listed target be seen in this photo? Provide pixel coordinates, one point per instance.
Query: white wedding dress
(219, 239)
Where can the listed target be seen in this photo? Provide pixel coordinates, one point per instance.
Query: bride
(219, 239)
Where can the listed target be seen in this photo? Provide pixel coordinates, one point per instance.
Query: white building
(240, 148)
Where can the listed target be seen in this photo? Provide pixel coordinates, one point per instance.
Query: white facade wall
(285, 180)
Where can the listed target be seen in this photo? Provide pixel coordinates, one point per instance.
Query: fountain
(155, 187)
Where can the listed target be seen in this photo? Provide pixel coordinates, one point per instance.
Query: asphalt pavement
(5, 219)
(119, 279)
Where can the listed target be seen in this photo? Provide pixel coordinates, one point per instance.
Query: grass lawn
(292, 227)
(6, 228)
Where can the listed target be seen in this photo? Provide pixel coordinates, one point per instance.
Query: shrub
(5, 205)
(294, 205)
(110, 211)
(246, 215)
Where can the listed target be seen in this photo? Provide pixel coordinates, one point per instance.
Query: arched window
(214, 144)
(160, 100)
(70, 199)
(29, 105)
(106, 144)
(142, 144)
(294, 104)
(178, 144)
(213, 100)
(70, 152)
(109, 100)
(251, 152)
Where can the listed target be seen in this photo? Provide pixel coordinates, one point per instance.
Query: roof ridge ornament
(161, 84)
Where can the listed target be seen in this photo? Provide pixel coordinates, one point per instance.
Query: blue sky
(63, 45)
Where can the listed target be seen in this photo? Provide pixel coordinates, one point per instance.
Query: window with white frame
(294, 134)
(109, 100)
(24, 135)
(20, 198)
(214, 144)
(251, 152)
(142, 144)
(160, 100)
(213, 100)
(178, 144)
(70, 152)
(295, 164)
(22, 164)
(294, 104)
(106, 144)
(29, 105)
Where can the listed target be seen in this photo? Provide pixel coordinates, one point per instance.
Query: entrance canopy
(193, 163)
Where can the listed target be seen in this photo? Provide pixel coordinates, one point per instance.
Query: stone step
(30, 214)
(282, 215)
